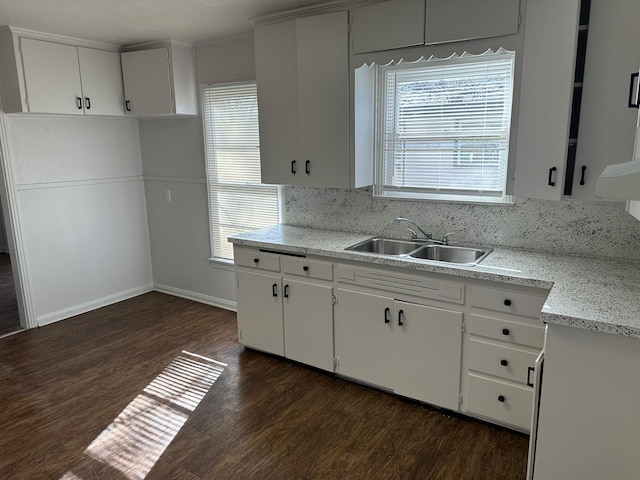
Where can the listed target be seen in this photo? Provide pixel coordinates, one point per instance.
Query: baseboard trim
(196, 297)
(92, 305)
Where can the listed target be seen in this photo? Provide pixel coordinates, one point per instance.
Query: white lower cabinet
(412, 349)
(465, 346)
(281, 313)
(308, 330)
(260, 311)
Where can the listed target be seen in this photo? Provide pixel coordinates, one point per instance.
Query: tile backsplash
(599, 228)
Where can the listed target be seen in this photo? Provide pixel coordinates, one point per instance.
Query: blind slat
(238, 202)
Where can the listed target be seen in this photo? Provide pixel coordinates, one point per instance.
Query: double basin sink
(422, 250)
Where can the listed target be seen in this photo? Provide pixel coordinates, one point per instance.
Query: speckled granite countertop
(595, 294)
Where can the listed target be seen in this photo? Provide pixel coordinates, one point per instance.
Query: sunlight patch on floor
(136, 439)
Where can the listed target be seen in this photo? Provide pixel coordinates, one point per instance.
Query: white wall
(173, 159)
(82, 211)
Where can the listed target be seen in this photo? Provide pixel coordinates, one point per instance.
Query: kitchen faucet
(426, 237)
(414, 236)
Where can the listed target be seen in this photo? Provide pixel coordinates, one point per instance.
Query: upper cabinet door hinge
(463, 327)
(334, 299)
(336, 362)
(460, 399)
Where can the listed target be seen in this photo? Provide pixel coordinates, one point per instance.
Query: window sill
(222, 264)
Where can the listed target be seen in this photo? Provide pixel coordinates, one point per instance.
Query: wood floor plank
(67, 387)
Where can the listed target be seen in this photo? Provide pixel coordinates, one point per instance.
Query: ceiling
(125, 22)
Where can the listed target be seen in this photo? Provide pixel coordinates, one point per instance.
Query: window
(238, 202)
(443, 128)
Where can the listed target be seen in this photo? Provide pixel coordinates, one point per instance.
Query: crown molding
(50, 37)
(327, 7)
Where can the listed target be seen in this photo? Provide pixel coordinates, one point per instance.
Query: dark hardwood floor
(9, 317)
(111, 394)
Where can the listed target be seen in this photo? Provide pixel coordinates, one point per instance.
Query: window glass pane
(238, 202)
(444, 126)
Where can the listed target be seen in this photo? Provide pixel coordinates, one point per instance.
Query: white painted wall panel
(55, 149)
(85, 244)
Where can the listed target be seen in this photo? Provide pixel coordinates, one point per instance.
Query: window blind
(238, 202)
(444, 126)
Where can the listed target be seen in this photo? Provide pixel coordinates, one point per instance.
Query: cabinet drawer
(506, 362)
(307, 268)
(509, 302)
(507, 331)
(257, 259)
(500, 401)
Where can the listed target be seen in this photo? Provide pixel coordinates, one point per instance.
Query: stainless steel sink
(386, 246)
(422, 251)
(451, 254)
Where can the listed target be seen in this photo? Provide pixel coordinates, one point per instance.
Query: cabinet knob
(305, 268)
(504, 363)
(501, 398)
(505, 331)
(507, 302)
(256, 260)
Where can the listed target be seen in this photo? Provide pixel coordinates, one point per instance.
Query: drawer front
(259, 260)
(508, 302)
(307, 268)
(500, 401)
(507, 331)
(500, 361)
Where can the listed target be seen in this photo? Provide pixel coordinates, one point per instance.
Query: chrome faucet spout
(414, 235)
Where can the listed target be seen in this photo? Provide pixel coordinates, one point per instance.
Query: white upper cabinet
(454, 20)
(405, 23)
(160, 81)
(101, 76)
(388, 25)
(302, 69)
(546, 90)
(607, 125)
(42, 74)
(65, 79)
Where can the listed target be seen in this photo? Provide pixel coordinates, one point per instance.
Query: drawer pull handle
(504, 363)
(293, 167)
(305, 268)
(501, 398)
(307, 167)
(274, 289)
(529, 382)
(387, 317)
(400, 313)
(256, 260)
(285, 292)
(505, 331)
(507, 302)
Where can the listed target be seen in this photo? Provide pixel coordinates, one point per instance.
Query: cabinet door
(452, 20)
(147, 82)
(364, 337)
(277, 83)
(388, 25)
(428, 354)
(101, 82)
(546, 90)
(323, 99)
(607, 126)
(260, 312)
(308, 323)
(52, 77)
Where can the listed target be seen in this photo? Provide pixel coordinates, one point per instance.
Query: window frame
(218, 261)
(452, 196)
